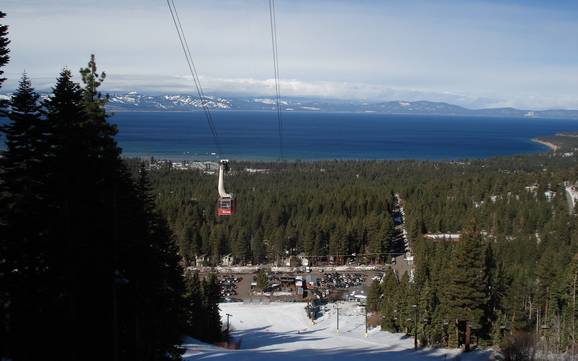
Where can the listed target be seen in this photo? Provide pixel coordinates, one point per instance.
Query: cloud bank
(479, 53)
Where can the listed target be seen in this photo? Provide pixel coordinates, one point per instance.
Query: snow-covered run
(282, 332)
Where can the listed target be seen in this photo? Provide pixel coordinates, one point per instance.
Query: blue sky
(471, 53)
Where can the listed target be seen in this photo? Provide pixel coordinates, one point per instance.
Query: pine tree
(405, 298)
(390, 310)
(373, 237)
(94, 102)
(4, 293)
(498, 282)
(5, 267)
(25, 144)
(98, 262)
(159, 296)
(211, 298)
(4, 56)
(262, 280)
(338, 243)
(257, 248)
(22, 227)
(31, 248)
(466, 291)
(241, 246)
(309, 240)
(374, 296)
(194, 307)
(25, 134)
(94, 108)
(427, 304)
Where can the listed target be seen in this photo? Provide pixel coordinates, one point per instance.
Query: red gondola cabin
(226, 206)
(226, 203)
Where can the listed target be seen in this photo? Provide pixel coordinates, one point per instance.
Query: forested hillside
(339, 208)
(514, 269)
(95, 249)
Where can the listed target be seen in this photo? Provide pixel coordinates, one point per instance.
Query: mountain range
(134, 101)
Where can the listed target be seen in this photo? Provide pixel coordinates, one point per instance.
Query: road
(401, 245)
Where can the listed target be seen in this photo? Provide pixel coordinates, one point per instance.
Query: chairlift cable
(273, 27)
(198, 82)
(194, 74)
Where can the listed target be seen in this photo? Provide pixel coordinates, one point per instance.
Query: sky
(475, 53)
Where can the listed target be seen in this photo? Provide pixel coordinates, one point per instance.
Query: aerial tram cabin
(226, 205)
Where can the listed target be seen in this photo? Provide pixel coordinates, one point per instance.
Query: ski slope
(282, 332)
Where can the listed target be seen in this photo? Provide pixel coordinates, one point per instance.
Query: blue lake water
(313, 136)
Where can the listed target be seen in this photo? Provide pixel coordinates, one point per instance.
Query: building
(201, 260)
(287, 283)
(292, 261)
(572, 195)
(304, 260)
(549, 195)
(443, 236)
(227, 260)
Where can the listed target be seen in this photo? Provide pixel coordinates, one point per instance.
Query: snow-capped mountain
(269, 101)
(134, 101)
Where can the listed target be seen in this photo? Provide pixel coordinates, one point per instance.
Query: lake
(314, 136)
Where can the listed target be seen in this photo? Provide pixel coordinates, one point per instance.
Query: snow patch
(282, 332)
(269, 101)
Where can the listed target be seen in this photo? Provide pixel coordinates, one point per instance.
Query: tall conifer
(466, 290)
(389, 309)
(110, 270)
(211, 298)
(194, 309)
(23, 227)
(4, 55)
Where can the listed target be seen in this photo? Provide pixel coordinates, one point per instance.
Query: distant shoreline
(552, 146)
(322, 136)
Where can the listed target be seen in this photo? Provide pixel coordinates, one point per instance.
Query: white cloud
(316, 89)
(475, 53)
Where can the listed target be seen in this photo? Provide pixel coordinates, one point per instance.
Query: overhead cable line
(273, 23)
(194, 74)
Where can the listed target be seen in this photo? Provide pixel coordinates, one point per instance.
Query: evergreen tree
(466, 291)
(309, 240)
(5, 267)
(241, 249)
(22, 222)
(334, 240)
(390, 310)
(427, 304)
(498, 282)
(262, 279)
(194, 307)
(94, 102)
(374, 239)
(93, 258)
(374, 296)
(405, 298)
(158, 299)
(257, 248)
(4, 57)
(211, 297)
